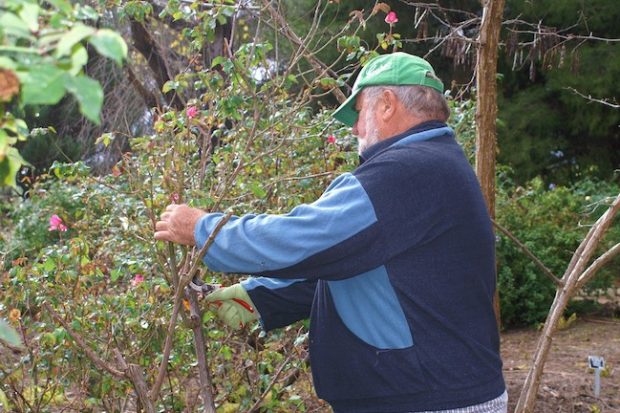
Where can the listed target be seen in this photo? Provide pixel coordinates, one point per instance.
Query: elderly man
(394, 263)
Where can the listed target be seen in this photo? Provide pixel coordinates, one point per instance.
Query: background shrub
(551, 221)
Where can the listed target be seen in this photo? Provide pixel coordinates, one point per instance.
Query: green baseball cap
(388, 70)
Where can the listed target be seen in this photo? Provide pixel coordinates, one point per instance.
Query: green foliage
(9, 335)
(463, 121)
(113, 283)
(44, 53)
(44, 146)
(598, 17)
(90, 269)
(548, 129)
(551, 222)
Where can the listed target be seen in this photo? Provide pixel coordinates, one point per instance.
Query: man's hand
(177, 224)
(234, 306)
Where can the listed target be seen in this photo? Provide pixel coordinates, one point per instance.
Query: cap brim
(346, 112)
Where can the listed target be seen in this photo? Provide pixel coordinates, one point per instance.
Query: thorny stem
(173, 264)
(82, 344)
(135, 375)
(200, 346)
(256, 405)
(178, 299)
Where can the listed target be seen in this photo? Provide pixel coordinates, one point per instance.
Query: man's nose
(354, 130)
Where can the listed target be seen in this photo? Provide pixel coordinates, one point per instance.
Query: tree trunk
(221, 44)
(146, 45)
(486, 108)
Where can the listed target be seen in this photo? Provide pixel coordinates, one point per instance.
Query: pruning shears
(205, 289)
(200, 286)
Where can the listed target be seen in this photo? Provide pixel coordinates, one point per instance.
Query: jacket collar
(379, 146)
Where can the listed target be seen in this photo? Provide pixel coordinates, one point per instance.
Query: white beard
(372, 133)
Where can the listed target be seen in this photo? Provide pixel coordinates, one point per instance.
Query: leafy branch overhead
(44, 53)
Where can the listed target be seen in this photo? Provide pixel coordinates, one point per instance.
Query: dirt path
(567, 383)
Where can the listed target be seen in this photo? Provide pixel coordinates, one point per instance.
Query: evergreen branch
(591, 99)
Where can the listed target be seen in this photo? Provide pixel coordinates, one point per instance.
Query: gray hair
(422, 101)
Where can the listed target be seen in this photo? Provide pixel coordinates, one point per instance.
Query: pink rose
(137, 280)
(391, 18)
(331, 139)
(191, 112)
(56, 224)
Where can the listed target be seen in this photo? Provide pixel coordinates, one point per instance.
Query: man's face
(365, 128)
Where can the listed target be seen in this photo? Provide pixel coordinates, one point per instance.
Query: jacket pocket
(345, 367)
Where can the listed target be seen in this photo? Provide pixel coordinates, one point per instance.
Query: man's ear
(389, 105)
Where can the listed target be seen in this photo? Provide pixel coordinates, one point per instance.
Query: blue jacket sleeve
(280, 302)
(272, 244)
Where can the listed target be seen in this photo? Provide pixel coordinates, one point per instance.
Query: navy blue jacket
(394, 264)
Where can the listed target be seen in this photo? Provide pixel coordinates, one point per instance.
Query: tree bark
(486, 108)
(151, 100)
(144, 42)
(136, 376)
(220, 46)
(146, 45)
(200, 346)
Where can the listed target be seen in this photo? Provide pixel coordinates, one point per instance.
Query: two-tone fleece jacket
(394, 264)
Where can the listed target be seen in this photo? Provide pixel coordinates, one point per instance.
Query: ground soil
(567, 382)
